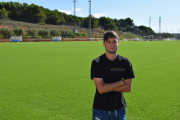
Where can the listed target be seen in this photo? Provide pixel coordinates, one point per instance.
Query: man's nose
(112, 44)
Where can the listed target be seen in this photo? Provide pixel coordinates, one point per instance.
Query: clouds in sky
(97, 15)
(100, 14)
(69, 12)
(78, 9)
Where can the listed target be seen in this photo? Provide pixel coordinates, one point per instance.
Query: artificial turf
(51, 80)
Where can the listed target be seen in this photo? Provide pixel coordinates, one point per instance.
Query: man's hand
(126, 87)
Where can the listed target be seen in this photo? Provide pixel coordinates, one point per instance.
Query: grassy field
(51, 81)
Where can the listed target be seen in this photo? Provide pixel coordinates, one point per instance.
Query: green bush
(64, 33)
(32, 32)
(43, 32)
(18, 31)
(84, 34)
(77, 34)
(71, 34)
(55, 32)
(1, 22)
(6, 32)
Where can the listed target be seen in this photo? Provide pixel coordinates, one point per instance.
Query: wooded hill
(38, 14)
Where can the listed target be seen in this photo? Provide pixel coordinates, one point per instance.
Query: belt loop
(109, 112)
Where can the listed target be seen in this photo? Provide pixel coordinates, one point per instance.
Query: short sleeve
(129, 73)
(96, 70)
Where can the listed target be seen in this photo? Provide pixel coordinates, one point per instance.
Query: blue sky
(138, 10)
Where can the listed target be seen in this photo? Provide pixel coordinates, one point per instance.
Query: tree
(129, 22)
(64, 33)
(18, 31)
(4, 13)
(32, 32)
(81, 19)
(24, 12)
(123, 24)
(55, 32)
(66, 17)
(146, 30)
(61, 17)
(36, 14)
(18, 8)
(103, 21)
(71, 18)
(78, 21)
(116, 22)
(94, 22)
(43, 32)
(6, 32)
(112, 26)
(54, 18)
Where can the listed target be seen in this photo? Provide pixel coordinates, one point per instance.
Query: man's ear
(103, 43)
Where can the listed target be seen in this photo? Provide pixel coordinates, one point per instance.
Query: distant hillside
(96, 32)
(38, 14)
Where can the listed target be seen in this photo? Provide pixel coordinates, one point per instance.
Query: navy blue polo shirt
(110, 72)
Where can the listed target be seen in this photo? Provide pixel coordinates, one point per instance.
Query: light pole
(90, 19)
(74, 30)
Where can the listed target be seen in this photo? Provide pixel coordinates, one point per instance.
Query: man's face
(111, 45)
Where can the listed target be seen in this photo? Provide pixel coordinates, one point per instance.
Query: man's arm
(126, 87)
(104, 88)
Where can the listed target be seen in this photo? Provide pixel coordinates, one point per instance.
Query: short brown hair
(110, 34)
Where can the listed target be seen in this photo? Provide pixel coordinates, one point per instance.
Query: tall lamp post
(89, 19)
(74, 30)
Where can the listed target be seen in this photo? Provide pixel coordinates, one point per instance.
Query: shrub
(77, 34)
(18, 31)
(64, 33)
(6, 32)
(43, 32)
(32, 32)
(71, 34)
(84, 34)
(55, 32)
(1, 22)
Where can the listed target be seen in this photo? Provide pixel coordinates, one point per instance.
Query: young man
(112, 75)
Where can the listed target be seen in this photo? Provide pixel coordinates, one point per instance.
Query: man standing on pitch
(112, 75)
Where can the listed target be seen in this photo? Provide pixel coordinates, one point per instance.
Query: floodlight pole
(90, 19)
(74, 30)
(150, 21)
(160, 20)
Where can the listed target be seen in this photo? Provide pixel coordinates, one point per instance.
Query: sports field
(51, 80)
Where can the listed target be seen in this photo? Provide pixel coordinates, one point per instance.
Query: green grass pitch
(51, 80)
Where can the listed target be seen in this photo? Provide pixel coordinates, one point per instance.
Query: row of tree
(38, 14)
(6, 32)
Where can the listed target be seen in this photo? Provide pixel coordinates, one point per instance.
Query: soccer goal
(16, 39)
